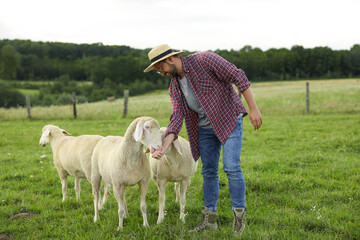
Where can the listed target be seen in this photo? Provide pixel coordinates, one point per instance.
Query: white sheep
(177, 165)
(72, 156)
(122, 162)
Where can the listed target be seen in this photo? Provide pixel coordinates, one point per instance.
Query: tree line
(114, 68)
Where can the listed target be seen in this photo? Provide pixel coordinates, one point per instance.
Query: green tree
(355, 59)
(9, 62)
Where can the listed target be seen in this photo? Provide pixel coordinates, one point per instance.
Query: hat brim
(151, 66)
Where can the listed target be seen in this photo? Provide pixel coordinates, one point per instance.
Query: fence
(74, 100)
(126, 101)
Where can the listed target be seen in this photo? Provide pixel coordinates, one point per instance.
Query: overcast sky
(193, 25)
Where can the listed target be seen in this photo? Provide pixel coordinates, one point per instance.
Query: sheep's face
(44, 140)
(148, 133)
(46, 134)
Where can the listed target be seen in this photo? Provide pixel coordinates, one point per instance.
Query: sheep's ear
(162, 132)
(64, 132)
(139, 131)
(46, 133)
(176, 144)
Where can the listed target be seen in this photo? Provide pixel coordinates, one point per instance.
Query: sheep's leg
(95, 183)
(63, 178)
(183, 187)
(119, 193)
(162, 188)
(106, 195)
(177, 191)
(143, 187)
(125, 207)
(77, 188)
(64, 186)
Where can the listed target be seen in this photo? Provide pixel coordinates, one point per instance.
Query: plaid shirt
(211, 77)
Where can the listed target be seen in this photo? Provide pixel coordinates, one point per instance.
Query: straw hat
(160, 53)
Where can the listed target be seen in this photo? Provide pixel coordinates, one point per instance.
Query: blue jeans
(210, 147)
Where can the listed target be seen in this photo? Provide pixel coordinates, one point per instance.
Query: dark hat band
(161, 55)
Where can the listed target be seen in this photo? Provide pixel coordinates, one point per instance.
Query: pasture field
(302, 171)
(29, 91)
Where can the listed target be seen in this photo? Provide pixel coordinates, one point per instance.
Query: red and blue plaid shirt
(211, 77)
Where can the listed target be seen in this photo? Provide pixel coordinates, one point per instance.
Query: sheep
(72, 156)
(122, 162)
(177, 165)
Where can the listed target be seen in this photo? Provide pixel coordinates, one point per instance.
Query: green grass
(28, 91)
(302, 170)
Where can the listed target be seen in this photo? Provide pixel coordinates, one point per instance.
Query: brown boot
(239, 220)
(208, 220)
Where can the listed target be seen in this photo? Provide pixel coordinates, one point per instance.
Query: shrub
(64, 99)
(47, 100)
(81, 99)
(101, 94)
(10, 97)
(141, 86)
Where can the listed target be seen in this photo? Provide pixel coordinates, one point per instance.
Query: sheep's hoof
(182, 217)
(96, 219)
(119, 228)
(159, 221)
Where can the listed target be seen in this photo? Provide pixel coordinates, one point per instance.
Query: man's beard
(172, 72)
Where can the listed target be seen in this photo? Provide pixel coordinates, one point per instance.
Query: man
(201, 91)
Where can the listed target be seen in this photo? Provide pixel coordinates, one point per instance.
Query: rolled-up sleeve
(226, 71)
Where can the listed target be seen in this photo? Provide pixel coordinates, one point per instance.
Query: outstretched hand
(166, 142)
(158, 153)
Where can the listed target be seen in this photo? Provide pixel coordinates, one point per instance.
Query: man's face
(165, 68)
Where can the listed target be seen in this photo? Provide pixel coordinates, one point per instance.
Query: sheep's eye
(147, 127)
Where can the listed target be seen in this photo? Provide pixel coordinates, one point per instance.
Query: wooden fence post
(74, 104)
(27, 98)
(126, 96)
(307, 98)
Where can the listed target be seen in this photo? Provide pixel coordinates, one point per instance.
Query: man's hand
(166, 143)
(158, 153)
(254, 113)
(255, 118)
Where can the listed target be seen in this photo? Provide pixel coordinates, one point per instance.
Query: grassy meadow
(302, 171)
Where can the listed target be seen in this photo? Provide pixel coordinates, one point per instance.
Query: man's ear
(170, 60)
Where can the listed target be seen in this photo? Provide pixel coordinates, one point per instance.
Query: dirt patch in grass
(4, 236)
(22, 215)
